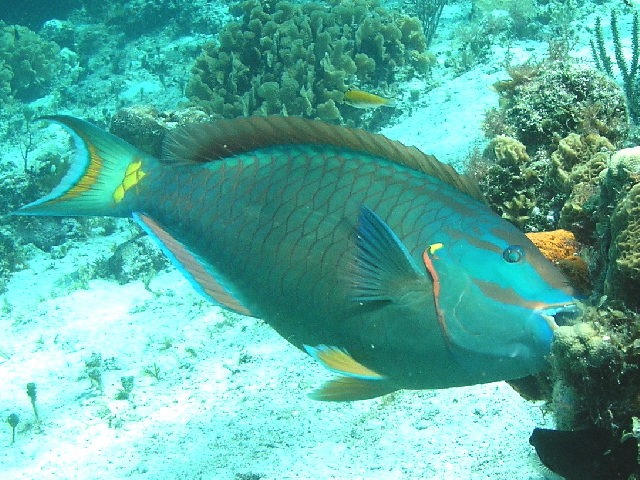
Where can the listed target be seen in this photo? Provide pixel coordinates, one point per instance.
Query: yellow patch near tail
(103, 169)
(132, 176)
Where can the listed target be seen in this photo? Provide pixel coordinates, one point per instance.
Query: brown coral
(29, 65)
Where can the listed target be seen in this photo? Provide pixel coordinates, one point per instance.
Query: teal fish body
(380, 262)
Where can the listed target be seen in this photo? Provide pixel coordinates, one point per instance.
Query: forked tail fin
(103, 169)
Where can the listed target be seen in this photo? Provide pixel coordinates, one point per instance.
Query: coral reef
(140, 126)
(548, 184)
(595, 371)
(501, 165)
(575, 170)
(511, 181)
(291, 59)
(28, 64)
(138, 17)
(622, 278)
(16, 189)
(557, 166)
(548, 100)
(586, 368)
(144, 126)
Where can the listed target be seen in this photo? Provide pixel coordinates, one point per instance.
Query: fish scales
(289, 209)
(380, 262)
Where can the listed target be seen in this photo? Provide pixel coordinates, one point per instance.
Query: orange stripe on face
(436, 287)
(509, 296)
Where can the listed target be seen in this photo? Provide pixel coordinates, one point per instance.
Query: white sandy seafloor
(231, 400)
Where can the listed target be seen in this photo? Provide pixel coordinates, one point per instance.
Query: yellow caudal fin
(104, 174)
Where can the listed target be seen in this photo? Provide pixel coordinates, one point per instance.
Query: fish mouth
(559, 314)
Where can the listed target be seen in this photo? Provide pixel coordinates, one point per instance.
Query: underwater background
(112, 366)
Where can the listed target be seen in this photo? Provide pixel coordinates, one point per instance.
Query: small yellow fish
(359, 99)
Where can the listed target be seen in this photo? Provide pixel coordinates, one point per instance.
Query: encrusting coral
(562, 248)
(555, 245)
(291, 59)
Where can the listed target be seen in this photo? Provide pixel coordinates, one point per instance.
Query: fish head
(496, 296)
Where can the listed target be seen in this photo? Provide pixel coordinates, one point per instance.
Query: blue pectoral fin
(356, 382)
(382, 262)
(198, 272)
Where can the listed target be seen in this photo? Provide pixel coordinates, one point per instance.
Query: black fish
(592, 454)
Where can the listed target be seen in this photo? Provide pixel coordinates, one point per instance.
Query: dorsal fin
(206, 142)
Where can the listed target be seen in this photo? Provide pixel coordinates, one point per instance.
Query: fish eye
(513, 254)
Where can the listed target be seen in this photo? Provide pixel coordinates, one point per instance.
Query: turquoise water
(88, 302)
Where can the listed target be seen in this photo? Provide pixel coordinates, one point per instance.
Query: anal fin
(349, 389)
(339, 361)
(356, 381)
(197, 271)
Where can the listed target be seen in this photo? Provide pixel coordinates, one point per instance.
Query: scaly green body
(280, 230)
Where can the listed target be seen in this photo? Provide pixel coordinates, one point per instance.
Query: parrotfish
(382, 263)
(360, 99)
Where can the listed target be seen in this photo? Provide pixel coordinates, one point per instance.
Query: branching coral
(628, 67)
